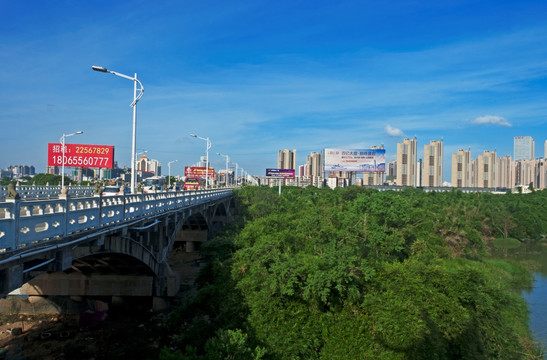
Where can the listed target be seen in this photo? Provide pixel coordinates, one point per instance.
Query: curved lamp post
(136, 98)
(226, 175)
(235, 177)
(63, 150)
(207, 157)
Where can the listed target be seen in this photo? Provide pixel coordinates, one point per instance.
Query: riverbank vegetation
(360, 274)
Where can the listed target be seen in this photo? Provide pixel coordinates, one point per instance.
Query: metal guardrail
(26, 223)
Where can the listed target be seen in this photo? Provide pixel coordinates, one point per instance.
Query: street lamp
(63, 160)
(169, 177)
(207, 159)
(136, 98)
(226, 175)
(235, 177)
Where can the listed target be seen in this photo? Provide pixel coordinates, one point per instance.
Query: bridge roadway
(54, 246)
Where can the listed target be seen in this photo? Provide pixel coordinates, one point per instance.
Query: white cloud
(491, 119)
(391, 131)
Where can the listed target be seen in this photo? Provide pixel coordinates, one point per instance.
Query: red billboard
(198, 172)
(77, 155)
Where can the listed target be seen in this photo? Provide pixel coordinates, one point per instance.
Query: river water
(535, 257)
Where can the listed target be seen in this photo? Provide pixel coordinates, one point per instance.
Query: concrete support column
(11, 279)
(190, 246)
(63, 259)
(160, 304)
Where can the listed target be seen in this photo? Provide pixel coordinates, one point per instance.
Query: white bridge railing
(25, 223)
(35, 192)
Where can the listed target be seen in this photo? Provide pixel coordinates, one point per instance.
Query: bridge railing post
(9, 224)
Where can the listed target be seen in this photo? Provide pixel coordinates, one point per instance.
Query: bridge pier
(11, 278)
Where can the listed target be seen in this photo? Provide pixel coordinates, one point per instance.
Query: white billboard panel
(359, 160)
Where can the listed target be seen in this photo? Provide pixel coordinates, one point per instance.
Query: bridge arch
(143, 238)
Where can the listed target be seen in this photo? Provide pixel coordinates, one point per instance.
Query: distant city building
(523, 148)
(486, 170)
(391, 171)
(545, 150)
(144, 165)
(18, 171)
(373, 178)
(203, 162)
(504, 178)
(530, 173)
(407, 162)
(286, 159)
(302, 171)
(461, 168)
(5, 174)
(314, 164)
(419, 166)
(432, 168)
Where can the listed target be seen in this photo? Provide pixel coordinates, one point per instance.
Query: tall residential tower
(286, 159)
(432, 171)
(406, 162)
(461, 168)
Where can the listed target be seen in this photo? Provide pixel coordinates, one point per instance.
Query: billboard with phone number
(198, 172)
(78, 155)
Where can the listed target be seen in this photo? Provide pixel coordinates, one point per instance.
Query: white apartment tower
(432, 167)
(406, 162)
(286, 159)
(523, 148)
(461, 169)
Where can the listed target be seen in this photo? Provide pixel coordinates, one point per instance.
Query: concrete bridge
(104, 245)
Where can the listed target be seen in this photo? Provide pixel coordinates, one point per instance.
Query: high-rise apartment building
(504, 178)
(407, 162)
(523, 148)
(144, 165)
(461, 168)
(391, 171)
(545, 150)
(432, 166)
(486, 169)
(286, 159)
(530, 173)
(373, 178)
(314, 165)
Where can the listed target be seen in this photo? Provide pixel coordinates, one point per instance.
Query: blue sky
(261, 76)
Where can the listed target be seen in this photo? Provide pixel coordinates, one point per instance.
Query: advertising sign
(191, 184)
(78, 155)
(359, 160)
(198, 172)
(280, 173)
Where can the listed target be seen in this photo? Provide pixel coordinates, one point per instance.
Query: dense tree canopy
(360, 274)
